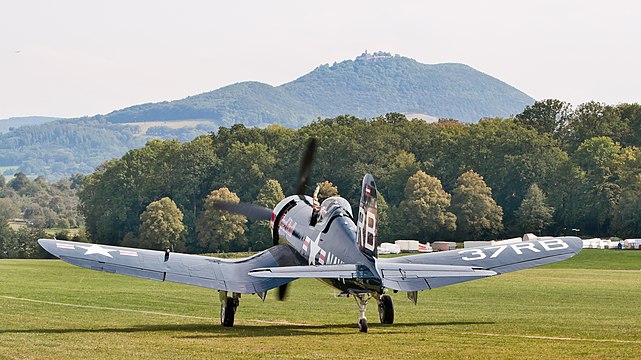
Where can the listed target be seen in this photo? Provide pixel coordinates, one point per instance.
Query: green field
(586, 307)
(54, 230)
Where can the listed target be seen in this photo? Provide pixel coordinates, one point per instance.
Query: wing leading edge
(203, 271)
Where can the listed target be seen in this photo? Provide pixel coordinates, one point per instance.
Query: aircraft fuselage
(331, 239)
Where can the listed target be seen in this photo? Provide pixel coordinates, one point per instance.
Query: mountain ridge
(18, 121)
(368, 86)
(361, 87)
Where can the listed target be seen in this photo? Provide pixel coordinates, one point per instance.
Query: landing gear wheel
(386, 309)
(227, 312)
(362, 325)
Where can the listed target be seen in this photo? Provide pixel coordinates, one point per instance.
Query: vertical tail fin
(368, 217)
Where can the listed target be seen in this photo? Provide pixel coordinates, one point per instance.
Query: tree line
(37, 204)
(551, 169)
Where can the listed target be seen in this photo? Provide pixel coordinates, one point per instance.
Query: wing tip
(43, 242)
(49, 246)
(576, 244)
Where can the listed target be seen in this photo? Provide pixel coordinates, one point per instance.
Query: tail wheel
(227, 312)
(362, 325)
(386, 310)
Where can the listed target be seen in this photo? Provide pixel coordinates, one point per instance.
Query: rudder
(368, 217)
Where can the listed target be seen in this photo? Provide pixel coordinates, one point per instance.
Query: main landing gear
(228, 306)
(385, 309)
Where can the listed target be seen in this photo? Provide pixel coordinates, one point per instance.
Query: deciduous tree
(534, 214)
(424, 212)
(259, 233)
(8, 209)
(396, 173)
(593, 119)
(627, 213)
(270, 194)
(219, 230)
(601, 159)
(477, 214)
(247, 166)
(161, 226)
(546, 116)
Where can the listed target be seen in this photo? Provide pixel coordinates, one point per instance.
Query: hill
(249, 103)
(61, 148)
(16, 122)
(370, 85)
(368, 88)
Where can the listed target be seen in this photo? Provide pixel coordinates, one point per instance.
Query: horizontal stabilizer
(342, 271)
(405, 271)
(415, 277)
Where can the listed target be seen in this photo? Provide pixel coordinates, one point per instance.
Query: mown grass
(55, 230)
(602, 259)
(575, 309)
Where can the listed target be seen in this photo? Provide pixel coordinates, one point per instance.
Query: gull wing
(204, 271)
(405, 274)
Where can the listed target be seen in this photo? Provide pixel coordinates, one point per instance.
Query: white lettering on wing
(554, 244)
(522, 246)
(477, 253)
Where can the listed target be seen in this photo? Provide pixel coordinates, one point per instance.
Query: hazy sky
(72, 58)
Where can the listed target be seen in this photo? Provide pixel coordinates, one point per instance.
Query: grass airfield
(587, 307)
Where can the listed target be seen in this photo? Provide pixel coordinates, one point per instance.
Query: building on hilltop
(377, 55)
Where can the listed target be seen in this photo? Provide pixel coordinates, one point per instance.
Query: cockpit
(332, 206)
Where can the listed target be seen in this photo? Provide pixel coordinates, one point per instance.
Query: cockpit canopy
(332, 204)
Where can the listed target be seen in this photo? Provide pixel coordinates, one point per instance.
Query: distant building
(378, 55)
(633, 244)
(407, 245)
(389, 248)
(443, 245)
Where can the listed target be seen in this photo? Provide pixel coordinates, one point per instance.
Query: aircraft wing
(204, 271)
(462, 265)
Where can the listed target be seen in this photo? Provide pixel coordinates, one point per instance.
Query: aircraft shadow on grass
(242, 330)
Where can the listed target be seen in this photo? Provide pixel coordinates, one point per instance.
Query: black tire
(227, 312)
(386, 310)
(362, 325)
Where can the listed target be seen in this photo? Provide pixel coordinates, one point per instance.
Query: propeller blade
(282, 292)
(303, 179)
(251, 211)
(306, 166)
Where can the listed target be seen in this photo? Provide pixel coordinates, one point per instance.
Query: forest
(28, 206)
(59, 149)
(552, 169)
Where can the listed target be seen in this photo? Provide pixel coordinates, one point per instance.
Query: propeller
(251, 211)
(257, 212)
(306, 166)
(303, 178)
